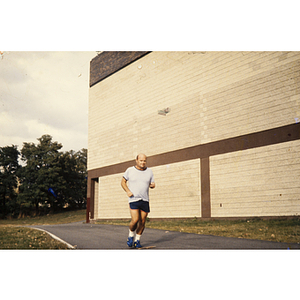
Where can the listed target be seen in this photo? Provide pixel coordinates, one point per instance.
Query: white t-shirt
(138, 183)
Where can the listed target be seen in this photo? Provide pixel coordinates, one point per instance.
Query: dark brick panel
(109, 62)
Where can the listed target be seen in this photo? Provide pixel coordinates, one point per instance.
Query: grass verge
(277, 230)
(14, 236)
(50, 219)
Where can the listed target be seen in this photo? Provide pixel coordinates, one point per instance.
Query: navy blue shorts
(142, 205)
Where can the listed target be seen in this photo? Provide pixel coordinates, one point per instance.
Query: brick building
(221, 131)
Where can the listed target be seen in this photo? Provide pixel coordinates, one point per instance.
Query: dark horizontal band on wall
(254, 140)
(109, 62)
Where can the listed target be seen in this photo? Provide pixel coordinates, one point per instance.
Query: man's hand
(125, 187)
(152, 185)
(129, 194)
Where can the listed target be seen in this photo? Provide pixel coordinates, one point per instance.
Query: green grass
(14, 236)
(51, 219)
(279, 230)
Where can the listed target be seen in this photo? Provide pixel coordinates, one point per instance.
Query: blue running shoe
(130, 241)
(137, 244)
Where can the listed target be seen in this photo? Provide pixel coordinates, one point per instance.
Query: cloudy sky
(44, 93)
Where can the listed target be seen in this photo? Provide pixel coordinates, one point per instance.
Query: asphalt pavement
(81, 235)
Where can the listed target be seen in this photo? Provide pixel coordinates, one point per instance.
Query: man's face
(141, 162)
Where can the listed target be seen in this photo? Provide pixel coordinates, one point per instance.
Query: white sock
(137, 237)
(131, 233)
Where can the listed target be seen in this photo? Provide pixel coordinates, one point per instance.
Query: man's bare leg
(135, 216)
(137, 223)
(142, 221)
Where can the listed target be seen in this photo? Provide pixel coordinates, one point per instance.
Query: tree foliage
(74, 173)
(49, 180)
(8, 178)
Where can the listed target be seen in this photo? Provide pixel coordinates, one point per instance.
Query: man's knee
(144, 216)
(142, 221)
(134, 221)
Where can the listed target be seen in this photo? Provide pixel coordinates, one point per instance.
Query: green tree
(41, 172)
(74, 172)
(8, 179)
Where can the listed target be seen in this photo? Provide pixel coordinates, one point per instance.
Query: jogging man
(139, 178)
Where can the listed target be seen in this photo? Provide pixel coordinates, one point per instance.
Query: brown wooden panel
(205, 188)
(253, 140)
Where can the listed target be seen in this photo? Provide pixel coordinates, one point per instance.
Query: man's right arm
(125, 187)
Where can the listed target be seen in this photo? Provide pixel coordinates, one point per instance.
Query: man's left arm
(152, 183)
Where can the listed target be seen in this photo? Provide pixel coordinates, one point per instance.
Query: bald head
(141, 155)
(141, 161)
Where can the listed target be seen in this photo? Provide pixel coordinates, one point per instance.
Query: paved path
(91, 236)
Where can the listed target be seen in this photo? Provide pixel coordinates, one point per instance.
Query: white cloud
(44, 93)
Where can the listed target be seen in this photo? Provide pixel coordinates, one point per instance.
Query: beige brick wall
(257, 182)
(212, 96)
(112, 199)
(177, 193)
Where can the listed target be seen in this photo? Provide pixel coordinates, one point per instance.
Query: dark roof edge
(107, 63)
